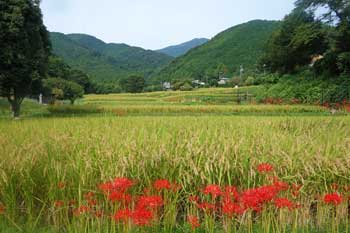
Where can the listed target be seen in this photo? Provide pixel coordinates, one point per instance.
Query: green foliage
(186, 87)
(305, 88)
(105, 62)
(59, 69)
(133, 84)
(294, 43)
(106, 88)
(249, 81)
(24, 50)
(74, 109)
(63, 89)
(338, 14)
(239, 45)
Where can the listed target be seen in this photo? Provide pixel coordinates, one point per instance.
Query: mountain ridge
(242, 44)
(106, 62)
(183, 48)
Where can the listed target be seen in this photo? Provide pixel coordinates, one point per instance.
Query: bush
(186, 87)
(306, 89)
(74, 109)
(249, 81)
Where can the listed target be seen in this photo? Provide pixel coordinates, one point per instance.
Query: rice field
(273, 169)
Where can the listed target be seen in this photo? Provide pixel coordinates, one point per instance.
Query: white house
(167, 85)
(223, 81)
(198, 83)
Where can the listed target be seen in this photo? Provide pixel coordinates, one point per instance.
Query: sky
(155, 24)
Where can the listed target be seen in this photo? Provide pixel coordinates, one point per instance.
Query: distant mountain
(181, 49)
(240, 45)
(106, 62)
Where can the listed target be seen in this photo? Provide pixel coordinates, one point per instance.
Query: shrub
(74, 109)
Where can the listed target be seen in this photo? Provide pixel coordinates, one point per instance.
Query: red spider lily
(122, 184)
(162, 184)
(92, 202)
(213, 190)
(205, 206)
(280, 185)
(175, 187)
(281, 203)
(230, 193)
(106, 187)
(119, 196)
(346, 188)
(72, 202)
(193, 221)
(194, 199)
(141, 217)
(230, 208)
(61, 185)
(296, 189)
(2, 209)
(122, 215)
(149, 201)
(264, 168)
(333, 199)
(59, 203)
(146, 191)
(98, 214)
(89, 195)
(81, 210)
(335, 186)
(256, 197)
(119, 184)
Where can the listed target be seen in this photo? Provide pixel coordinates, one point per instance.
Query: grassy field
(54, 171)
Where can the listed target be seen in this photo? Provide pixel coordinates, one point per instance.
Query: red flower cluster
(143, 213)
(213, 190)
(61, 185)
(333, 199)
(162, 184)
(145, 206)
(59, 203)
(265, 168)
(281, 203)
(81, 210)
(119, 184)
(213, 200)
(193, 221)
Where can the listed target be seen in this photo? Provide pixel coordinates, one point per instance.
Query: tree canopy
(133, 84)
(24, 50)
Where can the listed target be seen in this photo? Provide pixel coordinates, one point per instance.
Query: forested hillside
(105, 62)
(239, 45)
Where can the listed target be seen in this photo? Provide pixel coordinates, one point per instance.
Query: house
(167, 85)
(198, 83)
(223, 81)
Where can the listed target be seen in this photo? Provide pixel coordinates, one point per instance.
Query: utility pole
(241, 70)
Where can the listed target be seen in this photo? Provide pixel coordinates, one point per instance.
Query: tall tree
(24, 50)
(337, 10)
(133, 84)
(292, 46)
(337, 59)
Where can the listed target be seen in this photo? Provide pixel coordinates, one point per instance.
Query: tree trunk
(72, 101)
(15, 106)
(16, 109)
